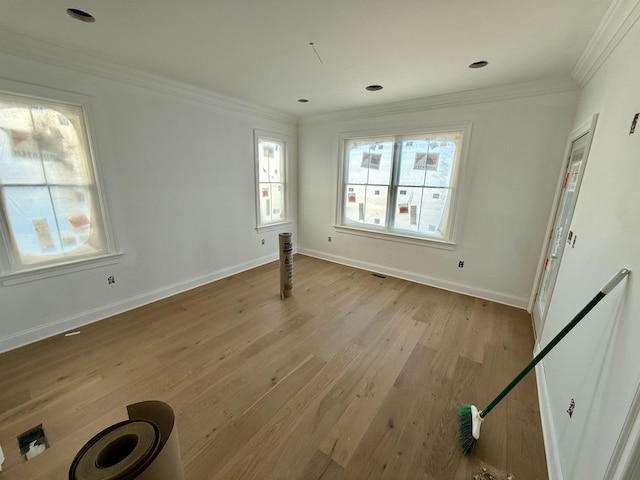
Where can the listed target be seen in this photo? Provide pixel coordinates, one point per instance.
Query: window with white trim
(51, 212)
(403, 185)
(272, 189)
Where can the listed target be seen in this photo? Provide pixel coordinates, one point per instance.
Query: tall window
(405, 185)
(271, 178)
(50, 209)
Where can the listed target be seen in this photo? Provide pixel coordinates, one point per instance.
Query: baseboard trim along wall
(498, 297)
(62, 325)
(554, 466)
(81, 319)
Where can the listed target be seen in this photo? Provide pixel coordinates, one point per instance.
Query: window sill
(397, 237)
(274, 226)
(40, 273)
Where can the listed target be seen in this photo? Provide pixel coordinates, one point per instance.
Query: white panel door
(560, 235)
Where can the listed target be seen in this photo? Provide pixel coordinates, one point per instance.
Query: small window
(271, 179)
(51, 211)
(405, 185)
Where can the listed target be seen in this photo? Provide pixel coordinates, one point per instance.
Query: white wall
(179, 176)
(515, 156)
(597, 364)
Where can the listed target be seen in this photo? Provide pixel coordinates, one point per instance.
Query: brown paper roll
(145, 447)
(286, 265)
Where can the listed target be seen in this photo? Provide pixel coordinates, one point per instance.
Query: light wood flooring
(353, 377)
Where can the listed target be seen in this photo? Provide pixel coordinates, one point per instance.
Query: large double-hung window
(51, 211)
(403, 185)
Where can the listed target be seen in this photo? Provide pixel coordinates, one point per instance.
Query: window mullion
(424, 188)
(44, 171)
(55, 218)
(393, 188)
(47, 185)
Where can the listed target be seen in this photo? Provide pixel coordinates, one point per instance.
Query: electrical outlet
(111, 279)
(263, 241)
(572, 406)
(329, 239)
(460, 264)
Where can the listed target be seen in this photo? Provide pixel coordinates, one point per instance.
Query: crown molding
(620, 17)
(468, 97)
(30, 48)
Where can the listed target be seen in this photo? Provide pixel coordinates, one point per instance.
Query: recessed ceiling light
(303, 100)
(479, 64)
(374, 88)
(80, 15)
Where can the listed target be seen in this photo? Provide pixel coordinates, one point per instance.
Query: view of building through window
(271, 174)
(402, 184)
(49, 202)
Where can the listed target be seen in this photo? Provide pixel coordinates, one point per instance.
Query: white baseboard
(625, 461)
(554, 466)
(62, 325)
(511, 300)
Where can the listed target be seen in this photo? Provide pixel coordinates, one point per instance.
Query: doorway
(560, 236)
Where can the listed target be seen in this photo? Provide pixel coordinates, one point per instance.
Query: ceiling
(259, 50)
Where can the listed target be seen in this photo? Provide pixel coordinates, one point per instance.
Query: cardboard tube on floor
(286, 265)
(145, 447)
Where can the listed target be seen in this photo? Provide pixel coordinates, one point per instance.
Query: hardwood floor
(353, 377)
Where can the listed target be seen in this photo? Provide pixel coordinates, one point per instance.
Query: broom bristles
(467, 441)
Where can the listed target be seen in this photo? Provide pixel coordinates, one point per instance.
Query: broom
(471, 418)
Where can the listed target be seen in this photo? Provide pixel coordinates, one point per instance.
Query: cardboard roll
(145, 447)
(120, 452)
(286, 264)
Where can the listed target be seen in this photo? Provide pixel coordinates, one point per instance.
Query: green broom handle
(581, 314)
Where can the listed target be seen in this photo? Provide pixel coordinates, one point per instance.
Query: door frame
(586, 128)
(624, 463)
